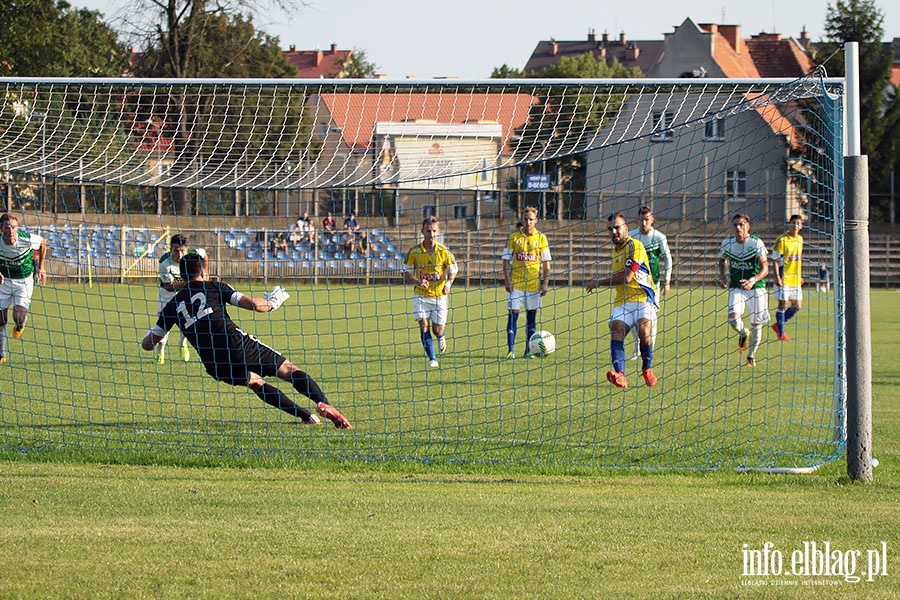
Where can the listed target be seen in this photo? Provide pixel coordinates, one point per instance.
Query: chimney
(622, 38)
(605, 38)
(592, 36)
(804, 37)
(732, 33)
(334, 49)
(554, 48)
(318, 57)
(292, 48)
(632, 52)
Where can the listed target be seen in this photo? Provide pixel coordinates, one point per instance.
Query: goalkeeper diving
(230, 355)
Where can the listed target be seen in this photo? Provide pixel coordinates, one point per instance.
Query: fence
(122, 254)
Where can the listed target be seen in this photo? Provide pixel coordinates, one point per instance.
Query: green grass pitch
(74, 527)
(78, 380)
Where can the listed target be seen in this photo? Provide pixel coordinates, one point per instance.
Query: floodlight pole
(856, 274)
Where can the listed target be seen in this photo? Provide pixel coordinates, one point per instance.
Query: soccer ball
(542, 343)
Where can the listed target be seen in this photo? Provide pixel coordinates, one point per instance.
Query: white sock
(755, 338)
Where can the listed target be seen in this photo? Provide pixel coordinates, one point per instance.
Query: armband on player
(752, 281)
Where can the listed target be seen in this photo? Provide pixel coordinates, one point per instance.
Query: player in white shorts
(170, 282)
(431, 268)
(21, 258)
(748, 264)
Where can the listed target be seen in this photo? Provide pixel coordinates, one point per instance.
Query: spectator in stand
(329, 225)
(310, 237)
(366, 244)
(351, 222)
(299, 231)
(348, 239)
(279, 244)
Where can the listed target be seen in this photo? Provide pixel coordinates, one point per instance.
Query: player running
(431, 267)
(748, 266)
(657, 246)
(526, 273)
(634, 306)
(170, 282)
(787, 265)
(230, 355)
(22, 256)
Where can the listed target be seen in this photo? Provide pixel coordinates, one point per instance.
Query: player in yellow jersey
(787, 265)
(526, 275)
(431, 267)
(635, 304)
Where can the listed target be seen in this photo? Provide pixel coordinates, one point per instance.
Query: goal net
(107, 171)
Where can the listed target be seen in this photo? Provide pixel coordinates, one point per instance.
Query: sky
(467, 39)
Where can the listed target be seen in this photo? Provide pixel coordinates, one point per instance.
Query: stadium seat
(252, 255)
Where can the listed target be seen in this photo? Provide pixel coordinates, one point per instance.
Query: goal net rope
(106, 171)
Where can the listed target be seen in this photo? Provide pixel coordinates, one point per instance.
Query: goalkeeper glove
(276, 297)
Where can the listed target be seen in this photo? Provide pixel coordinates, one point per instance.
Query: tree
(358, 65)
(507, 72)
(208, 38)
(861, 21)
(558, 113)
(47, 38)
(218, 44)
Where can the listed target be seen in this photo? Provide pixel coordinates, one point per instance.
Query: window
(661, 123)
(715, 129)
(323, 129)
(736, 185)
(429, 210)
(460, 211)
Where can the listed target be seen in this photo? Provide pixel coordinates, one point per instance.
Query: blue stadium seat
(252, 255)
